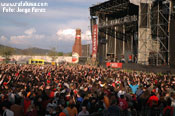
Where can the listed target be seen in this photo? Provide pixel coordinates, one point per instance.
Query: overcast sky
(54, 28)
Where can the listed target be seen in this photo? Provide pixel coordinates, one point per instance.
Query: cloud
(21, 39)
(28, 38)
(86, 36)
(3, 38)
(30, 31)
(66, 32)
(57, 25)
(69, 35)
(66, 38)
(83, 24)
(63, 40)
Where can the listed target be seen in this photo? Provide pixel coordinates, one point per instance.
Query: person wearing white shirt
(7, 112)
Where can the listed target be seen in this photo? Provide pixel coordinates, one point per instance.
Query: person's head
(173, 95)
(153, 94)
(71, 103)
(168, 101)
(5, 105)
(62, 106)
(122, 96)
(84, 108)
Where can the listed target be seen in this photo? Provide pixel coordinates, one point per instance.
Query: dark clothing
(114, 110)
(17, 109)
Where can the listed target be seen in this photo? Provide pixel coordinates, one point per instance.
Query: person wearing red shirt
(153, 100)
(168, 110)
(123, 104)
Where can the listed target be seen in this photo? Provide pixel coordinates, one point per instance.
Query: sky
(53, 28)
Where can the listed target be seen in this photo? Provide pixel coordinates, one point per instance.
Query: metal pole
(170, 12)
(87, 50)
(115, 40)
(123, 39)
(97, 54)
(132, 41)
(158, 23)
(106, 39)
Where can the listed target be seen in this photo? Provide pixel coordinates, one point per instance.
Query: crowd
(83, 90)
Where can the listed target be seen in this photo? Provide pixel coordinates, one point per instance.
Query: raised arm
(1, 79)
(138, 81)
(128, 81)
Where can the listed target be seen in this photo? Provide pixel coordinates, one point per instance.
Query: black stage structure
(146, 31)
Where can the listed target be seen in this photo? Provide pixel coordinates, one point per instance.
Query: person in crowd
(84, 112)
(64, 111)
(6, 110)
(134, 86)
(123, 104)
(72, 110)
(168, 110)
(71, 90)
(17, 109)
(114, 109)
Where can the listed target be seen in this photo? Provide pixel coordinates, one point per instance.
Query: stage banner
(94, 41)
(114, 65)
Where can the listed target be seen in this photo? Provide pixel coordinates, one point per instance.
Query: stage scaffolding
(154, 36)
(117, 28)
(143, 31)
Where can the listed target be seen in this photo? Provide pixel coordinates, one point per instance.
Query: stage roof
(112, 6)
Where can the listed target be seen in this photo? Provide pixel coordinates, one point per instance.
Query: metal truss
(112, 15)
(109, 7)
(154, 37)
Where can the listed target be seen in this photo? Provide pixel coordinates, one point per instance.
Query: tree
(70, 54)
(53, 54)
(7, 53)
(60, 54)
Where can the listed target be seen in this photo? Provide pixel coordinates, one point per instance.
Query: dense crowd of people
(83, 90)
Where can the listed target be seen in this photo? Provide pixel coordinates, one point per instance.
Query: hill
(35, 51)
(28, 51)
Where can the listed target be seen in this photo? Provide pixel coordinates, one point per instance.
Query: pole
(123, 40)
(132, 41)
(106, 39)
(158, 22)
(115, 43)
(170, 12)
